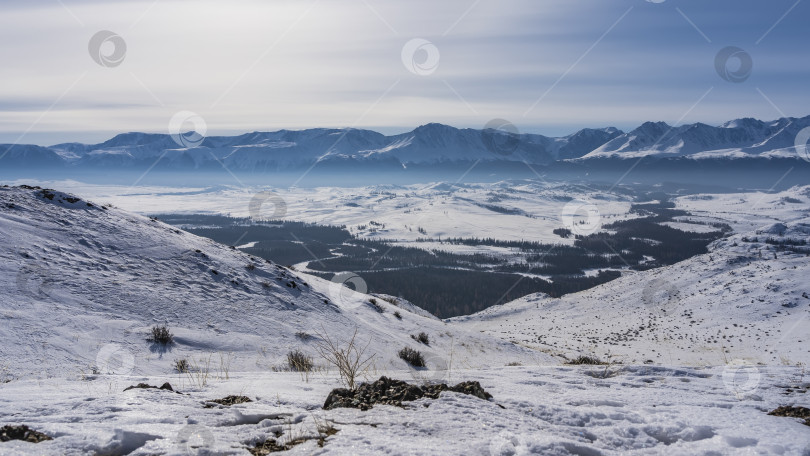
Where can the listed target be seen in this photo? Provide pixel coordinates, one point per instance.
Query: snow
(82, 284)
(739, 138)
(428, 144)
(548, 410)
(442, 210)
(742, 300)
(80, 278)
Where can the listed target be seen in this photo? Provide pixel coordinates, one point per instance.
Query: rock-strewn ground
(395, 392)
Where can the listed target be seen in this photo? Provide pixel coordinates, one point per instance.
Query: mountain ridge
(428, 144)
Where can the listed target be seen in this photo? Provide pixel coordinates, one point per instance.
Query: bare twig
(350, 359)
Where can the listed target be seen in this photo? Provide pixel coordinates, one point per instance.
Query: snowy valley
(693, 355)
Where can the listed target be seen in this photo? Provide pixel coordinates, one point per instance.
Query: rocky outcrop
(395, 392)
(22, 433)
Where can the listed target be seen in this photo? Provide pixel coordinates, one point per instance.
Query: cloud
(262, 65)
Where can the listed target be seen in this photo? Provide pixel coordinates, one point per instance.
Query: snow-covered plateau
(694, 355)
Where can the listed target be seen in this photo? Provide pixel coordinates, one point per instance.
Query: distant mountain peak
(134, 138)
(434, 127)
(653, 127)
(743, 123)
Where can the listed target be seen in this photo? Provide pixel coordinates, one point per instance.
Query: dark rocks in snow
(23, 433)
(228, 400)
(46, 193)
(792, 412)
(395, 392)
(166, 386)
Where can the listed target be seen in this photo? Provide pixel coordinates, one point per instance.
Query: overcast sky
(549, 67)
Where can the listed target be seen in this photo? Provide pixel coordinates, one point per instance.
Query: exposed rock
(792, 412)
(166, 386)
(471, 388)
(22, 433)
(228, 400)
(395, 392)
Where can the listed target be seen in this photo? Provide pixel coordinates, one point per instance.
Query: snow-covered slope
(738, 138)
(82, 285)
(745, 299)
(441, 143)
(12, 155)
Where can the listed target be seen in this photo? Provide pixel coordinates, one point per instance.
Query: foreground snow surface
(557, 410)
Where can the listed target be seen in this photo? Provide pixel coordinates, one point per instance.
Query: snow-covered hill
(747, 299)
(83, 284)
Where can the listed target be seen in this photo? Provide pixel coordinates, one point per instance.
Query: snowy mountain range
(738, 138)
(426, 145)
